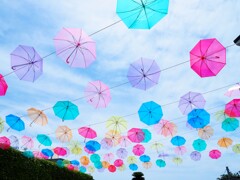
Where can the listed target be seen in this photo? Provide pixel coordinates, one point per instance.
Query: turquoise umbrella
(15, 122)
(198, 118)
(141, 14)
(65, 110)
(144, 158)
(230, 124)
(82, 169)
(160, 163)
(60, 163)
(28, 154)
(199, 145)
(95, 158)
(44, 140)
(147, 136)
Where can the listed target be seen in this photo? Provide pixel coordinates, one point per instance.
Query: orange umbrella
(105, 164)
(37, 116)
(114, 136)
(206, 132)
(225, 142)
(84, 160)
(63, 134)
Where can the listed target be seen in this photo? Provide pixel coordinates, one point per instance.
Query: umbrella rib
(136, 18)
(66, 40)
(26, 52)
(73, 37)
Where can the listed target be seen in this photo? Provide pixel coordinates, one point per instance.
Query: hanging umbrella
(198, 118)
(106, 143)
(133, 167)
(147, 135)
(145, 158)
(75, 47)
(230, 124)
(15, 122)
(93, 146)
(233, 91)
(75, 162)
(48, 153)
(90, 169)
(87, 132)
(135, 135)
(3, 86)
(132, 160)
(60, 151)
(143, 73)
(195, 155)
(147, 165)
(105, 164)
(108, 157)
(150, 113)
(178, 140)
(28, 154)
(208, 57)
(236, 148)
(44, 140)
(84, 160)
(206, 132)
(165, 128)
(199, 145)
(89, 151)
(114, 136)
(95, 158)
(75, 147)
(27, 142)
(122, 153)
(180, 150)
(63, 134)
(138, 150)
(177, 160)
(37, 116)
(26, 63)
(111, 168)
(139, 14)
(82, 169)
(124, 141)
(4, 143)
(97, 94)
(214, 154)
(1, 125)
(232, 109)
(163, 155)
(225, 142)
(14, 142)
(160, 163)
(221, 115)
(116, 123)
(118, 163)
(38, 155)
(237, 41)
(65, 110)
(122, 168)
(190, 101)
(156, 146)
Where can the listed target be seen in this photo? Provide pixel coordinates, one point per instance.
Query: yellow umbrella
(156, 146)
(177, 160)
(206, 132)
(147, 165)
(75, 147)
(37, 116)
(122, 168)
(90, 169)
(225, 142)
(63, 134)
(236, 148)
(116, 123)
(132, 160)
(114, 136)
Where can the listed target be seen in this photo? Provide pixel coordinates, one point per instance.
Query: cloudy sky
(36, 23)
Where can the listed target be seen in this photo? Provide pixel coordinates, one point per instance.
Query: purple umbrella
(122, 153)
(106, 143)
(190, 101)
(26, 63)
(195, 155)
(143, 73)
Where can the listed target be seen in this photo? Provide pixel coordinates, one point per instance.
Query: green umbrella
(65, 110)
(236, 148)
(1, 125)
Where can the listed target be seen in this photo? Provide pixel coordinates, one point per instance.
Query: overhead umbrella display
(165, 128)
(1, 124)
(190, 101)
(4, 143)
(95, 158)
(116, 123)
(114, 136)
(150, 113)
(178, 140)
(208, 57)
(195, 155)
(214, 154)
(206, 132)
(180, 150)
(199, 145)
(122, 153)
(236, 148)
(198, 118)
(65, 110)
(141, 14)
(143, 73)
(147, 165)
(145, 158)
(97, 94)
(84, 160)
(48, 153)
(63, 134)
(37, 116)
(87, 132)
(15, 122)
(138, 150)
(225, 142)
(14, 142)
(26, 63)
(124, 141)
(233, 91)
(75, 147)
(44, 140)
(177, 160)
(232, 109)
(136, 135)
(111, 168)
(133, 167)
(75, 47)
(27, 142)
(3, 86)
(118, 162)
(230, 124)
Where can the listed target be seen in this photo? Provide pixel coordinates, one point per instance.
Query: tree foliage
(138, 176)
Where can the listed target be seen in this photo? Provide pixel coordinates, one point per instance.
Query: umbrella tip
(237, 41)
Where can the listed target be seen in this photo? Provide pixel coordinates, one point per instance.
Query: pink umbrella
(3, 86)
(97, 94)
(180, 150)
(75, 47)
(39, 155)
(124, 141)
(208, 57)
(27, 142)
(106, 143)
(136, 135)
(138, 149)
(108, 157)
(165, 128)
(232, 109)
(118, 162)
(4, 143)
(88, 151)
(215, 154)
(60, 151)
(87, 132)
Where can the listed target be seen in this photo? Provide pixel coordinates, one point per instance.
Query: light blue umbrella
(44, 140)
(133, 167)
(178, 140)
(199, 145)
(144, 158)
(65, 110)
(141, 14)
(15, 122)
(198, 118)
(160, 163)
(230, 124)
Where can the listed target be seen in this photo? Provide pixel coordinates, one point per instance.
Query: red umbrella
(232, 109)
(4, 143)
(3, 86)
(136, 135)
(87, 132)
(138, 150)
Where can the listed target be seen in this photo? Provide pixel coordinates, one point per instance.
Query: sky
(36, 23)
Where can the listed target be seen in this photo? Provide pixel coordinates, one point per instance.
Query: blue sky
(169, 42)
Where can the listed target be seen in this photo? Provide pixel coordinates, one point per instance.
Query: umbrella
(82, 169)
(163, 155)
(90, 169)
(199, 145)
(111, 168)
(150, 113)
(233, 91)
(65, 110)
(221, 115)
(122, 153)
(14, 142)
(44, 140)
(141, 14)
(28, 154)
(47, 152)
(114, 136)
(75, 147)
(15, 122)
(147, 135)
(208, 57)
(60, 151)
(190, 101)
(198, 118)
(225, 142)
(232, 109)
(38, 154)
(4, 143)
(97, 94)
(180, 150)
(106, 143)
(124, 141)
(195, 155)
(230, 124)
(132, 160)
(160, 163)
(133, 167)
(108, 157)
(27, 142)
(165, 128)
(37, 116)
(84, 160)
(178, 140)
(26, 63)
(75, 47)
(206, 132)
(215, 154)
(116, 123)
(138, 150)
(88, 151)
(143, 73)
(236, 148)
(95, 158)
(98, 165)
(63, 134)
(118, 162)
(147, 165)
(87, 132)
(3, 86)
(93, 146)
(122, 168)
(145, 158)
(136, 135)
(105, 164)
(156, 146)
(1, 125)
(177, 160)
(237, 41)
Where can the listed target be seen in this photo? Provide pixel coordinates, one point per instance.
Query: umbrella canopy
(145, 158)
(147, 165)
(141, 14)
(221, 115)
(105, 164)
(93, 146)
(198, 118)
(39, 155)
(195, 155)
(118, 162)
(124, 141)
(60, 151)
(215, 154)
(178, 140)
(177, 160)
(87, 132)
(95, 158)
(114, 136)
(160, 163)
(133, 167)
(3, 86)
(225, 142)
(108, 157)
(27, 142)
(138, 150)
(15, 122)
(106, 143)
(63, 134)
(206, 132)
(180, 150)
(97, 94)
(165, 128)
(150, 113)
(116, 123)
(26, 63)
(230, 124)
(75, 147)
(47, 152)
(143, 73)
(236, 148)
(208, 57)
(199, 145)
(44, 140)
(1, 124)
(37, 116)
(190, 101)
(132, 160)
(136, 135)
(4, 143)
(156, 146)
(233, 91)
(84, 160)
(122, 153)
(111, 168)
(147, 135)
(65, 110)
(232, 109)
(14, 142)
(75, 47)
(28, 154)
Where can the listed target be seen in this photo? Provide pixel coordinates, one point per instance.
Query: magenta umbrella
(87, 132)
(60, 151)
(4, 143)
(3, 86)
(143, 73)
(136, 135)
(138, 150)
(118, 162)
(215, 154)
(97, 94)
(232, 109)
(26, 63)
(208, 57)
(75, 47)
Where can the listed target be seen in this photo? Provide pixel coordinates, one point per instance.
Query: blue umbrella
(198, 118)
(74, 162)
(178, 140)
(65, 110)
(47, 152)
(44, 140)
(93, 146)
(150, 113)
(160, 163)
(133, 167)
(145, 158)
(199, 145)
(15, 122)
(230, 124)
